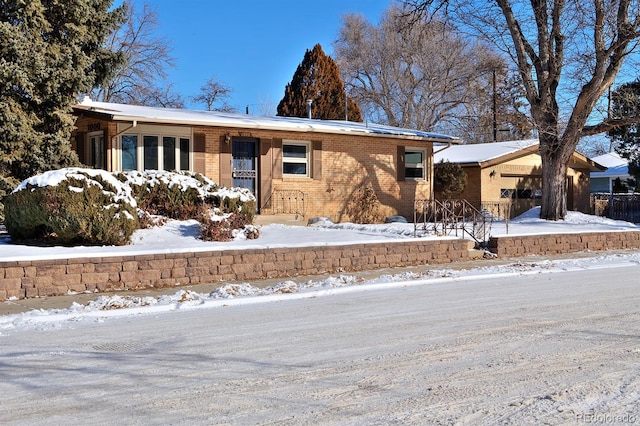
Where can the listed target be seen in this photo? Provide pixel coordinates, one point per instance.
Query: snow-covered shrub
(174, 195)
(227, 227)
(87, 206)
(72, 206)
(182, 195)
(234, 200)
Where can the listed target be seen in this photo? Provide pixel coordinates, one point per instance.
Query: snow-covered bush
(227, 227)
(234, 200)
(182, 195)
(169, 194)
(87, 206)
(72, 206)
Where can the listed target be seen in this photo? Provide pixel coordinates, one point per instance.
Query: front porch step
(284, 219)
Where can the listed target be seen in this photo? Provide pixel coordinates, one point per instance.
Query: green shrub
(174, 195)
(72, 206)
(449, 179)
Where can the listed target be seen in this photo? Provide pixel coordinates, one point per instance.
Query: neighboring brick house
(502, 172)
(311, 166)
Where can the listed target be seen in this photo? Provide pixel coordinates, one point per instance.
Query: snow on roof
(610, 159)
(124, 112)
(481, 152)
(616, 165)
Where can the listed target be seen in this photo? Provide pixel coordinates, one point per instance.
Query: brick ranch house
(502, 173)
(292, 165)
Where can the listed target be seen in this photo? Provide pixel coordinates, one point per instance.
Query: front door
(245, 163)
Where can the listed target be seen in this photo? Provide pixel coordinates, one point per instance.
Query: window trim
(306, 160)
(422, 165)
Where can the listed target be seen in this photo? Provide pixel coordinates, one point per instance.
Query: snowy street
(512, 348)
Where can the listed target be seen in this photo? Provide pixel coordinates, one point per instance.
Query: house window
(185, 149)
(169, 153)
(507, 193)
(415, 163)
(521, 194)
(296, 158)
(150, 152)
(129, 152)
(155, 152)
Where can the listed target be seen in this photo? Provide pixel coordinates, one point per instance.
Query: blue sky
(252, 46)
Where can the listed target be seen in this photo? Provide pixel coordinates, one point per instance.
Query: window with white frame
(155, 152)
(296, 158)
(415, 163)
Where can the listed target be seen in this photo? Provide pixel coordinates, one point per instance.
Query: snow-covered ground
(181, 236)
(529, 342)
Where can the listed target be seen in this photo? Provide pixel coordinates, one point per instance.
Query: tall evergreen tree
(50, 51)
(626, 103)
(317, 78)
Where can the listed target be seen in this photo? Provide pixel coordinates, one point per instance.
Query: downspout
(114, 141)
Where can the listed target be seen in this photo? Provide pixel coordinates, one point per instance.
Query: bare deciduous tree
(422, 74)
(140, 79)
(163, 97)
(214, 95)
(568, 53)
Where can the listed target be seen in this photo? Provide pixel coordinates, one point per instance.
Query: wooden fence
(616, 206)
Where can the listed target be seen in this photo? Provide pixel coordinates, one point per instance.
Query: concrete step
(285, 219)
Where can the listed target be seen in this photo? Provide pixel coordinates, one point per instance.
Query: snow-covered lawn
(529, 342)
(181, 236)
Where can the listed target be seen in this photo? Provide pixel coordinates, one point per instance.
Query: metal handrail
(287, 201)
(446, 217)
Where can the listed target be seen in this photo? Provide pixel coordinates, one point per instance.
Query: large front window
(296, 158)
(155, 152)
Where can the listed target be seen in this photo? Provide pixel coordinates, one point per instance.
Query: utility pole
(495, 108)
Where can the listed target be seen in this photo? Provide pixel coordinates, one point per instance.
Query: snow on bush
(182, 195)
(72, 206)
(88, 206)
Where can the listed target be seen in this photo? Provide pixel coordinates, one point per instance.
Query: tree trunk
(554, 183)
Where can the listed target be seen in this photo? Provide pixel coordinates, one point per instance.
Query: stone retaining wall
(515, 246)
(25, 279)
